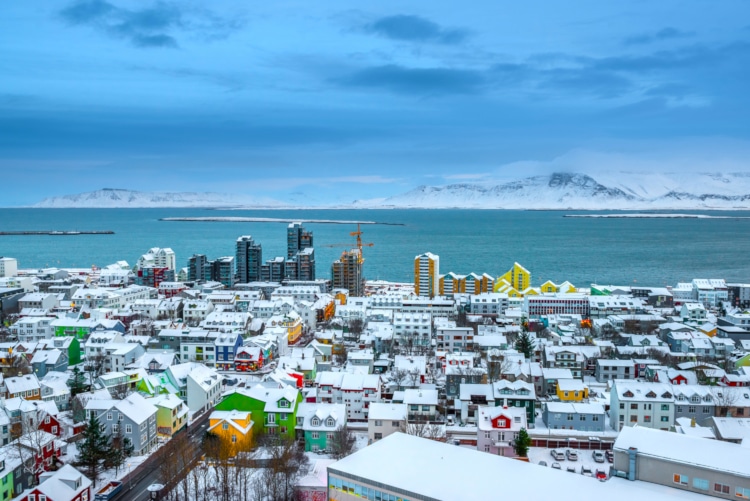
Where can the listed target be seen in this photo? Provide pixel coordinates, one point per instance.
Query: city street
(135, 485)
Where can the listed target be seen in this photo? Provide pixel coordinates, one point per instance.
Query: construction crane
(360, 244)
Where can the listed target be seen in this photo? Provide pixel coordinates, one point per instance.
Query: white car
(598, 456)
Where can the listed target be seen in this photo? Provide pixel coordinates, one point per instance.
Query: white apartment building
(453, 339)
(414, 326)
(8, 266)
(385, 419)
(32, 329)
(158, 258)
(357, 391)
(651, 405)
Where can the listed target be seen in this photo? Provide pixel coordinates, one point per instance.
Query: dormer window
(315, 421)
(284, 403)
(651, 394)
(330, 422)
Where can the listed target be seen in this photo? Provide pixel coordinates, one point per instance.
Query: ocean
(628, 251)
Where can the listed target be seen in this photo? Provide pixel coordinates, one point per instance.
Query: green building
(274, 410)
(72, 346)
(318, 422)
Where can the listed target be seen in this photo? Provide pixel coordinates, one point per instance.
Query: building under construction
(346, 272)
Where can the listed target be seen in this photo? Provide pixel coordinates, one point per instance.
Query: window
(128, 428)
(378, 436)
(115, 428)
(570, 417)
(109, 416)
(622, 405)
(665, 419)
(315, 434)
(722, 488)
(633, 419)
(225, 426)
(742, 492)
(691, 409)
(378, 422)
(665, 407)
(634, 406)
(395, 424)
(680, 479)
(700, 483)
(330, 422)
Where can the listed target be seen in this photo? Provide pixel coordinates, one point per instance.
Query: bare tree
(724, 398)
(421, 427)
(342, 442)
(287, 464)
(18, 366)
(120, 391)
(398, 376)
(29, 442)
(95, 365)
(497, 365)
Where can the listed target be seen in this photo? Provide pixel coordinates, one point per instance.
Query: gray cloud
(151, 26)
(419, 81)
(668, 33)
(415, 29)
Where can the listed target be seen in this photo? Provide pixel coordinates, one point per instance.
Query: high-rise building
(249, 259)
(222, 270)
(196, 268)
(346, 273)
(300, 255)
(158, 258)
(427, 275)
(274, 270)
(297, 238)
(306, 264)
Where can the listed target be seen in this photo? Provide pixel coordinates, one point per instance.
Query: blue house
(226, 348)
(573, 416)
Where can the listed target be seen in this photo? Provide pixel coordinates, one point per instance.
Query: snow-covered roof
(65, 483)
(322, 412)
(421, 397)
(387, 412)
(136, 408)
(489, 474)
(715, 455)
(21, 384)
(574, 408)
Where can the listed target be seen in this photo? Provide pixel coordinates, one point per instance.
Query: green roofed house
(277, 406)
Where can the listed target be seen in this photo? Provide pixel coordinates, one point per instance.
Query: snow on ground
(130, 464)
(585, 458)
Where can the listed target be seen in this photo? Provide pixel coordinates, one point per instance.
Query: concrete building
(574, 416)
(8, 267)
(385, 419)
(649, 405)
(427, 275)
(707, 467)
(346, 273)
(609, 369)
(249, 259)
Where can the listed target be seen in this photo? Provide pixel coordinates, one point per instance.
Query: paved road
(135, 485)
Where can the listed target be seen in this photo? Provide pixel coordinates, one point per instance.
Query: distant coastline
(232, 219)
(654, 216)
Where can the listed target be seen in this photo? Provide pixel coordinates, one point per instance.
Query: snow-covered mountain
(581, 191)
(113, 198)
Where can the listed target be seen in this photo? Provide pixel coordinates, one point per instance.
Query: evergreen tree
(524, 344)
(93, 449)
(116, 454)
(77, 383)
(522, 443)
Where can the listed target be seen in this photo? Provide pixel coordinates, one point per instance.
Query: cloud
(668, 33)
(152, 26)
(419, 81)
(415, 29)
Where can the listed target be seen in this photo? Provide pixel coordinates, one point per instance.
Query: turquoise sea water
(608, 251)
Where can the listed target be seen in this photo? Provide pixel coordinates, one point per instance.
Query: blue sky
(340, 101)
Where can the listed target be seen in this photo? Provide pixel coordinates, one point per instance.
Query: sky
(336, 101)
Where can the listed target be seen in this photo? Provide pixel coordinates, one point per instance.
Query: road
(135, 484)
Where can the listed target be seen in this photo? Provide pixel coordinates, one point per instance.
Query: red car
(601, 475)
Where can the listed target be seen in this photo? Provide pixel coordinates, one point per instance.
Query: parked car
(598, 456)
(558, 455)
(108, 491)
(571, 455)
(610, 456)
(586, 470)
(556, 466)
(542, 463)
(450, 421)
(601, 475)
(571, 469)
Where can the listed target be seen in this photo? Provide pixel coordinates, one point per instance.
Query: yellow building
(234, 430)
(517, 278)
(572, 390)
(427, 275)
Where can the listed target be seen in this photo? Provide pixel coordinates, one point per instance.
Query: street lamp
(130, 480)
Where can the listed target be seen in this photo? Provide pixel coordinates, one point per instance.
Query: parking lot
(585, 458)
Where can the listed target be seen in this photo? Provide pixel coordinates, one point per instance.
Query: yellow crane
(360, 244)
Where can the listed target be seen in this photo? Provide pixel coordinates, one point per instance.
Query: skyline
(336, 104)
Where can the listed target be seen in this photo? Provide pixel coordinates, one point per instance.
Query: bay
(624, 251)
